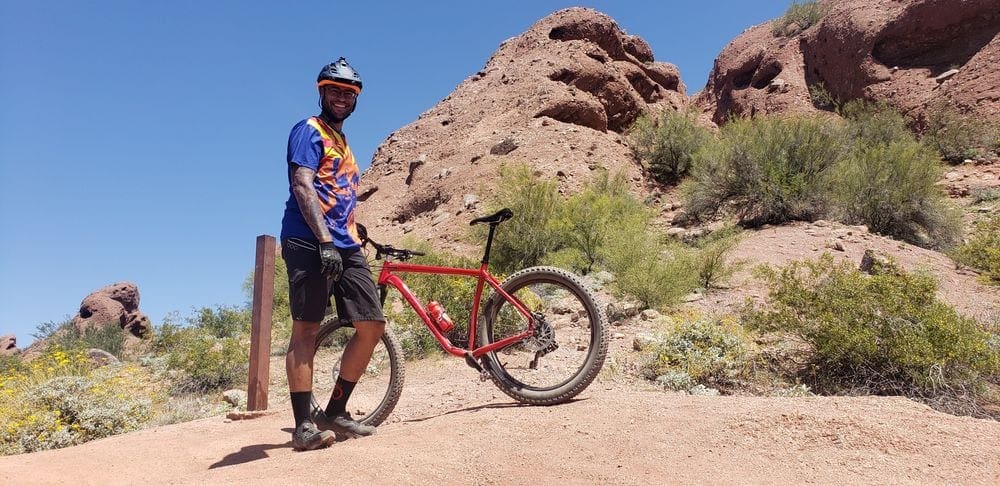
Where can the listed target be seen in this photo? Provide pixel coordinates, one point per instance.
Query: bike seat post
(489, 244)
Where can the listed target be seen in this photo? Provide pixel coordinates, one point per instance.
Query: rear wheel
(379, 389)
(569, 344)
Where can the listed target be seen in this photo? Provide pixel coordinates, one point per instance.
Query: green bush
(652, 272)
(223, 321)
(58, 400)
(982, 250)
(281, 314)
(534, 232)
(700, 351)
(891, 187)
(798, 17)
(712, 254)
(202, 360)
(957, 137)
(666, 143)
(822, 98)
(110, 338)
(766, 170)
(874, 123)
(881, 334)
(591, 221)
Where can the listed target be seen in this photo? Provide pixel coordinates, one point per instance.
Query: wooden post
(260, 333)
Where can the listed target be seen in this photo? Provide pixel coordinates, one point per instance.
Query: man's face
(338, 102)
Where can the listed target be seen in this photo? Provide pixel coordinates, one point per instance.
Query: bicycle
(540, 337)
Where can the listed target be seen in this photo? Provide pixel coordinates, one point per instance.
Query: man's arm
(305, 195)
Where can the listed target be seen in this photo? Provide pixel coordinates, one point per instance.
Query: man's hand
(330, 263)
(362, 232)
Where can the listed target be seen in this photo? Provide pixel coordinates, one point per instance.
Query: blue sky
(145, 141)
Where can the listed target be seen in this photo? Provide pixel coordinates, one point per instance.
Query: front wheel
(568, 346)
(378, 391)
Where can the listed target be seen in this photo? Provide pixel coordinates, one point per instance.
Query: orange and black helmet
(339, 74)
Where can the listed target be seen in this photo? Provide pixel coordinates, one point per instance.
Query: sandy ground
(451, 428)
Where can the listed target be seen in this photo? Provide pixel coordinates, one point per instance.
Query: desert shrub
(281, 314)
(223, 321)
(201, 360)
(891, 188)
(12, 364)
(60, 401)
(874, 123)
(667, 142)
(712, 257)
(712, 352)
(881, 334)
(592, 219)
(822, 98)
(985, 194)
(110, 338)
(798, 17)
(534, 232)
(957, 137)
(207, 362)
(766, 170)
(652, 272)
(982, 250)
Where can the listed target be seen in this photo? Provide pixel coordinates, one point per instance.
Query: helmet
(339, 74)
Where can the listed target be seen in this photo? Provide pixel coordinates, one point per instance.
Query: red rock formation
(557, 97)
(116, 304)
(892, 50)
(8, 345)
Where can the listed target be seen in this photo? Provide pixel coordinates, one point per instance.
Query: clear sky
(145, 141)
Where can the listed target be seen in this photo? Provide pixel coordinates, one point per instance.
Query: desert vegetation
(865, 167)
(799, 16)
(826, 327)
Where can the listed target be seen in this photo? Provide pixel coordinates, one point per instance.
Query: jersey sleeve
(305, 146)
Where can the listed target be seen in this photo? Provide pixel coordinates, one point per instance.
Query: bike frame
(387, 277)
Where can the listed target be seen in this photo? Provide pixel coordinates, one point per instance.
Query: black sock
(338, 399)
(301, 406)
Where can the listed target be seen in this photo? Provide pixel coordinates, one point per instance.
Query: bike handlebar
(382, 251)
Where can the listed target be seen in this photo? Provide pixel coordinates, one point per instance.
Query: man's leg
(355, 359)
(308, 293)
(299, 367)
(357, 302)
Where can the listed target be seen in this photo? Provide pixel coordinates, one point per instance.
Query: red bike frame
(388, 277)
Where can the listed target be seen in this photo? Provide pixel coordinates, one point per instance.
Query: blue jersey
(314, 144)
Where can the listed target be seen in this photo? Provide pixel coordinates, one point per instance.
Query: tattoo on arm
(305, 195)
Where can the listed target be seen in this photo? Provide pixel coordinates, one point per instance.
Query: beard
(329, 112)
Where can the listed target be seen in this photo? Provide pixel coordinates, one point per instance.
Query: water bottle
(439, 317)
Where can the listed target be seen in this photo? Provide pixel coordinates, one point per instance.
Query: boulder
(8, 345)
(116, 304)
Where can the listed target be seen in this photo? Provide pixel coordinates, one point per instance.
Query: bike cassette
(542, 341)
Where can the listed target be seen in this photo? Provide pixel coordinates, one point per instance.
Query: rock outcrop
(8, 345)
(116, 304)
(557, 97)
(909, 53)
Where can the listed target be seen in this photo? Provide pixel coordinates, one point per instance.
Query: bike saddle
(500, 216)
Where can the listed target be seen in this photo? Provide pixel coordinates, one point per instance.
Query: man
(322, 249)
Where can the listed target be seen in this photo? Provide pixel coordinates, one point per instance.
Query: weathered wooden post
(260, 333)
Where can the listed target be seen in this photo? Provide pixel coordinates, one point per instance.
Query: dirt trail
(450, 428)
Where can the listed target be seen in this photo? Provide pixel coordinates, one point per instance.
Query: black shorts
(309, 290)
